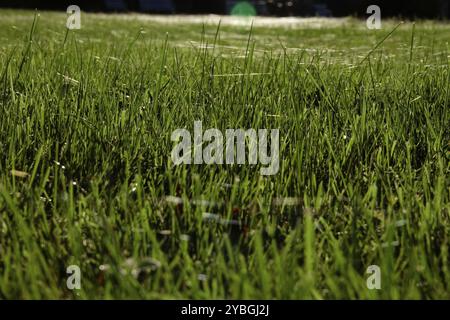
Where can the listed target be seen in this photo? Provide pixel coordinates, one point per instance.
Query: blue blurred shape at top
(259, 5)
(322, 10)
(156, 5)
(115, 5)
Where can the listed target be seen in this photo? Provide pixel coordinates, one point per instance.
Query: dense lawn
(86, 178)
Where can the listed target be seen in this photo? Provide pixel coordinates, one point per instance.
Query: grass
(86, 178)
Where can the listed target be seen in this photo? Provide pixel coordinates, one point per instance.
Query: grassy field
(86, 178)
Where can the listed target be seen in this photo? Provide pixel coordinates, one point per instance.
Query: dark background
(399, 8)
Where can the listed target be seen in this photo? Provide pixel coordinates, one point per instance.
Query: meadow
(86, 178)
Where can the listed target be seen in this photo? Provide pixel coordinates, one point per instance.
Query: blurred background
(399, 8)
